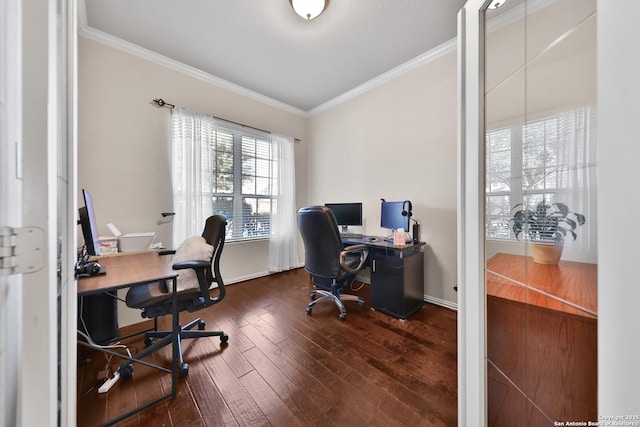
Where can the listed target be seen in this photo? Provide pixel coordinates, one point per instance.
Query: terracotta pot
(547, 253)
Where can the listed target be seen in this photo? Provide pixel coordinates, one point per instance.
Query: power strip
(109, 383)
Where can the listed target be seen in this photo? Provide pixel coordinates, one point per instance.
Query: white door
(10, 210)
(618, 91)
(37, 56)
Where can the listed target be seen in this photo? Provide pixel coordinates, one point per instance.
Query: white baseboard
(247, 277)
(442, 302)
(255, 275)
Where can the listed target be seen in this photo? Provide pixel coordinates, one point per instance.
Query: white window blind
(547, 159)
(220, 169)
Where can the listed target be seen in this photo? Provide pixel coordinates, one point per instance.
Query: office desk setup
(397, 275)
(129, 270)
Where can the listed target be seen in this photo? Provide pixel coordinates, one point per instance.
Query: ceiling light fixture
(308, 9)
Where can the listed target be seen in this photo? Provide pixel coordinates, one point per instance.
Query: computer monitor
(346, 214)
(88, 224)
(394, 215)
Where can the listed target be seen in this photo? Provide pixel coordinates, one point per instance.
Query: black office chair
(156, 299)
(332, 265)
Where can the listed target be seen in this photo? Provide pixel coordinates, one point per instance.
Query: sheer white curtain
(283, 243)
(577, 153)
(191, 134)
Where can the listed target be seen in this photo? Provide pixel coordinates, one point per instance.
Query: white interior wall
(398, 142)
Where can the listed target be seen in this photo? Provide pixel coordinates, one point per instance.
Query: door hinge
(21, 250)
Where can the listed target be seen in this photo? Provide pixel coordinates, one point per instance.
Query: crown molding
(146, 54)
(392, 74)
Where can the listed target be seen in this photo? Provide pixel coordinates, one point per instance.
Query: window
(531, 162)
(219, 168)
(498, 183)
(243, 170)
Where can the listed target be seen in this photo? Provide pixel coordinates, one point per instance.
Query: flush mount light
(308, 9)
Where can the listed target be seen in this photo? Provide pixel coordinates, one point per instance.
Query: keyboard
(351, 235)
(407, 240)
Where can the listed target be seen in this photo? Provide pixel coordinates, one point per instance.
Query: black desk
(125, 271)
(397, 275)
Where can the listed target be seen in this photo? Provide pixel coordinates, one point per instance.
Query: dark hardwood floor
(284, 367)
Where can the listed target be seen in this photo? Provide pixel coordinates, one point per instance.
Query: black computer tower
(397, 283)
(98, 317)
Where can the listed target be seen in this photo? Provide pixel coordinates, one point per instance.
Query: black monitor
(346, 214)
(88, 224)
(394, 215)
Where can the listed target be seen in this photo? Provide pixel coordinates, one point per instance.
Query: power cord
(110, 381)
(362, 283)
(100, 346)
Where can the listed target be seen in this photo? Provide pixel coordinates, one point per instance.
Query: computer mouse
(93, 267)
(89, 269)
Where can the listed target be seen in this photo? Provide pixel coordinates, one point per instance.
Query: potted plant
(546, 226)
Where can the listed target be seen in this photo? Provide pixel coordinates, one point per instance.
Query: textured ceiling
(263, 46)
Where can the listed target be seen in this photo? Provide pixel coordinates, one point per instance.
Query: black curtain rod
(161, 103)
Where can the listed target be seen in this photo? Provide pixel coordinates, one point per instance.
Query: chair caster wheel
(224, 338)
(201, 325)
(308, 310)
(183, 370)
(126, 371)
(148, 341)
(343, 316)
(312, 296)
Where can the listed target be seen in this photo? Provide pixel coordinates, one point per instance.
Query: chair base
(337, 299)
(126, 368)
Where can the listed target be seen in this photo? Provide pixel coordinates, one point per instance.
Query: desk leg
(176, 339)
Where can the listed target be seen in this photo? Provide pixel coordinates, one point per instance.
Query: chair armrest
(199, 267)
(167, 252)
(364, 253)
(194, 264)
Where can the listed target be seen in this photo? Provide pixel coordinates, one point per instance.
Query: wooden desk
(125, 271)
(397, 276)
(134, 270)
(542, 338)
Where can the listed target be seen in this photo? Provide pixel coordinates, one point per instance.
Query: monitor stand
(344, 233)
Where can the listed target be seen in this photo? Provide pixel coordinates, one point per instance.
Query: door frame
(472, 371)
